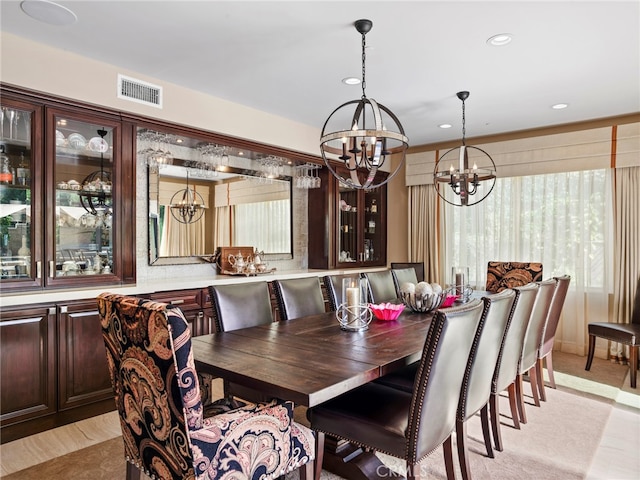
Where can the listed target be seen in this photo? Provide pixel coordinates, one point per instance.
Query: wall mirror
(242, 198)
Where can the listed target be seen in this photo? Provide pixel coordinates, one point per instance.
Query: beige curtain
(222, 231)
(423, 230)
(627, 249)
(181, 239)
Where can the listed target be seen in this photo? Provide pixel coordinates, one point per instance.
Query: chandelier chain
(464, 128)
(364, 61)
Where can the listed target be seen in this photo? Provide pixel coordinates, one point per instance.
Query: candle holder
(354, 313)
(460, 284)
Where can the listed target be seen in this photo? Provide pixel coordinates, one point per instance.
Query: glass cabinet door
(348, 225)
(83, 189)
(373, 228)
(17, 263)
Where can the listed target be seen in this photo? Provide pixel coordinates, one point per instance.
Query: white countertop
(58, 296)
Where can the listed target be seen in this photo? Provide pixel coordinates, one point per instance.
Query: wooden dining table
(310, 360)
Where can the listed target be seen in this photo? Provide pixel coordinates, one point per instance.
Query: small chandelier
(95, 196)
(187, 205)
(464, 186)
(363, 137)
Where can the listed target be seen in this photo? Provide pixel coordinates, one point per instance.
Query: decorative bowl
(424, 303)
(386, 311)
(449, 300)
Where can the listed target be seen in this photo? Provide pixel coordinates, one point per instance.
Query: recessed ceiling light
(445, 125)
(48, 12)
(559, 106)
(351, 81)
(500, 39)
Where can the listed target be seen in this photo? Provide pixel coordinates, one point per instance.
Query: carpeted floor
(558, 442)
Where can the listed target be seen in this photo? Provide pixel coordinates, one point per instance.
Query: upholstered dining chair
(532, 340)
(501, 275)
(417, 266)
(403, 275)
(545, 351)
(381, 286)
(298, 297)
(625, 333)
(333, 286)
(166, 431)
(408, 425)
(241, 306)
(504, 376)
(476, 383)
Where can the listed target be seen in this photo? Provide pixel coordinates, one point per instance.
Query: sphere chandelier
(362, 134)
(187, 205)
(464, 186)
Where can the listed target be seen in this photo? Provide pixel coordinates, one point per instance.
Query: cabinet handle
(52, 268)
(38, 269)
(52, 310)
(176, 302)
(63, 309)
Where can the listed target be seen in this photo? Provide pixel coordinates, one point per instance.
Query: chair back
(555, 309)
(381, 286)
(298, 297)
(439, 377)
(403, 275)
(148, 345)
(507, 365)
(417, 266)
(635, 314)
(241, 306)
(476, 386)
(502, 275)
(333, 285)
(533, 337)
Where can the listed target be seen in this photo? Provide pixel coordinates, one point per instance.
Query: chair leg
(513, 404)
(592, 350)
(495, 420)
(306, 471)
(484, 419)
(520, 398)
(633, 364)
(463, 454)
(448, 459)
(548, 360)
(319, 454)
(540, 379)
(133, 472)
(533, 381)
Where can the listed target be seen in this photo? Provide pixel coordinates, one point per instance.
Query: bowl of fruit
(422, 296)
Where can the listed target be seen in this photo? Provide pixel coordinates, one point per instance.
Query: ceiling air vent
(139, 91)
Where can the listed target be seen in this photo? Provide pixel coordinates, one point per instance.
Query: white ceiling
(288, 58)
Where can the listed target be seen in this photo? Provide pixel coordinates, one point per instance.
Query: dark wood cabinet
(50, 233)
(83, 374)
(195, 306)
(27, 362)
(347, 226)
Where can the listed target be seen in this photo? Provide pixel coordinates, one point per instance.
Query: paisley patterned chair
(166, 431)
(503, 275)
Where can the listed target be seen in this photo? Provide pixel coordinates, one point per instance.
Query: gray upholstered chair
(408, 425)
(501, 275)
(417, 266)
(532, 340)
(298, 297)
(545, 352)
(504, 377)
(240, 306)
(403, 275)
(381, 286)
(333, 286)
(167, 432)
(625, 333)
(476, 384)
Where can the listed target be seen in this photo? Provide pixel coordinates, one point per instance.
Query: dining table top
(310, 360)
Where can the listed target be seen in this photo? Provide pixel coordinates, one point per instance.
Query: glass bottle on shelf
(23, 174)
